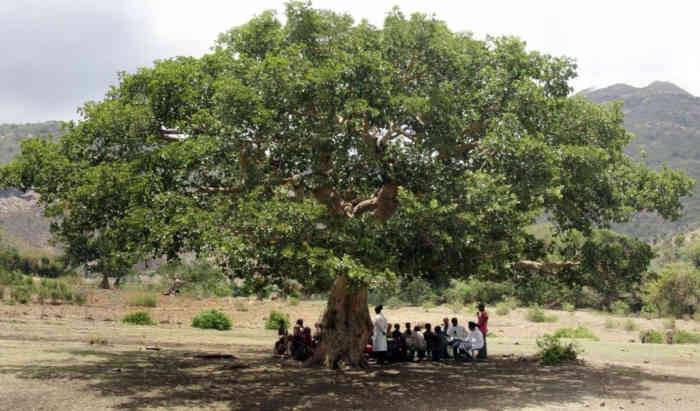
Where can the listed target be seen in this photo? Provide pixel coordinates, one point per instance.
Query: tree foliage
(319, 147)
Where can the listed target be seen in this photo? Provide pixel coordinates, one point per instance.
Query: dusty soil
(84, 358)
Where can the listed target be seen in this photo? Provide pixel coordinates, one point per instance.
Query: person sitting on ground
(474, 340)
(439, 343)
(428, 337)
(456, 334)
(308, 340)
(300, 323)
(298, 348)
(407, 329)
(317, 334)
(415, 342)
(399, 353)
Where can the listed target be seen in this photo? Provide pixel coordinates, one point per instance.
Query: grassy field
(84, 358)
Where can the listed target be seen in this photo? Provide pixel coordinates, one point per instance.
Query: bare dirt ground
(84, 358)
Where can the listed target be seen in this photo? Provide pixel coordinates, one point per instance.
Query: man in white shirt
(456, 334)
(379, 343)
(474, 340)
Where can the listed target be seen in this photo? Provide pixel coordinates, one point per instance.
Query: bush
(143, 300)
(293, 301)
(394, 302)
(56, 290)
(502, 308)
(620, 308)
(686, 337)
(675, 292)
(552, 351)
(276, 318)
(21, 294)
(415, 291)
(579, 332)
(630, 325)
(474, 290)
(199, 279)
(212, 320)
(536, 315)
(651, 337)
(568, 307)
(427, 305)
(138, 318)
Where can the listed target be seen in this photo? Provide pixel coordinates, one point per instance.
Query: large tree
(339, 154)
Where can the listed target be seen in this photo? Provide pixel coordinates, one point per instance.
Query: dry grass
(83, 358)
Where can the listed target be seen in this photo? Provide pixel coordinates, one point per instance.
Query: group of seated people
(441, 342)
(300, 344)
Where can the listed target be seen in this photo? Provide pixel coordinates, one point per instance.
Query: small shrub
(686, 337)
(568, 307)
(669, 323)
(630, 325)
(212, 320)
(275, 318)
(609, 323)
(552, 351)
(22, 294)
(293, 301)
(394, 302)
(651, 337)
(415, 291)
(138, 318)
(427, 305)
(579, 332)
(537, 315)
(79, 298)
(620, 308)
(502, 309)
(143, 300)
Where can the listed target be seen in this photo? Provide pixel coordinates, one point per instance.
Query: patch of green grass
(293, 301)
(553, 352)
(579, 332)
(22, 294)
(537, 315)
(621, 308)
(630, 325)
(651, 337)
(143, 300)
(212, 320)
(427, 305)
(275, 318)
(138, 318)
(686, 337)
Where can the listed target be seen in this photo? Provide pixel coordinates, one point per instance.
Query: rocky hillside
(666, 122)
(21, 223)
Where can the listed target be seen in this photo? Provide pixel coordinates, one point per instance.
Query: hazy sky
(56, 54)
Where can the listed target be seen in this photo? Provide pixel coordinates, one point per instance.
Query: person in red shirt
(482, 321)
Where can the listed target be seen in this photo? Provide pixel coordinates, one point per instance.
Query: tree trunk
(105, 282)
(346, 327)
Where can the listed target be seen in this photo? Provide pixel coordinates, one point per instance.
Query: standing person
(379, 345)
(482, 318)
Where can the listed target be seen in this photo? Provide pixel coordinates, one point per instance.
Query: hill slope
(21, 223)
(666, 122)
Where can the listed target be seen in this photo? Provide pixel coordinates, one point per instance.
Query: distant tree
(341, 155)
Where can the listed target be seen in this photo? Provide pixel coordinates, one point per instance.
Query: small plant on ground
(537, 315)
(620, 308)
(579, 332)
(427, 305)
(138, 318)
(293, 301)
(274, 320)
(143, 300)
(502, 308)
(552, 351)
(630, 325)
(669, 323)
(568, 307)
(686, 337)
(22, 294)
(651, 337)
(212, 320)
(610, 323)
